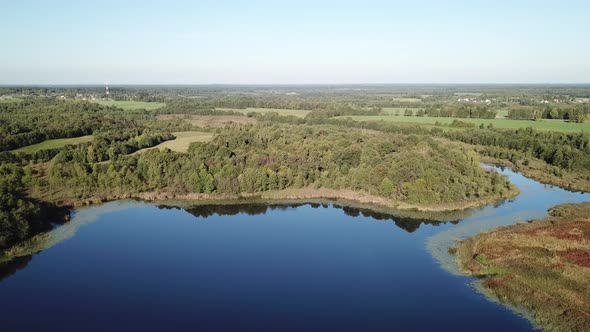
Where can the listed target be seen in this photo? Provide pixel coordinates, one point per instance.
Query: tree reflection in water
(17, 257)
(406, 223)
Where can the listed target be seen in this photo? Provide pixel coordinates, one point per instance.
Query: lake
(129, 265)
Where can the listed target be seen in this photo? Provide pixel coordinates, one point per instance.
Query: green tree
(386, 188)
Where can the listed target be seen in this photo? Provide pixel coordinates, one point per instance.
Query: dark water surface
(134, 266)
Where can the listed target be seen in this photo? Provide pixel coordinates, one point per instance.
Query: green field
(297, 113)
(468, 94)
(182, 142)
(10, 100)
(407, 100)
(132, 105)
(54, 143)
(551, 125)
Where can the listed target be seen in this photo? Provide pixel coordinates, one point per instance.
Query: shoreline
(542, 175)
(306, 194)
(443, 212)
(539, 268)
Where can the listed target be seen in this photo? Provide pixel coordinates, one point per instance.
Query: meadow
(281, 111)
(407, 100)
(551, 125)
(54, 143)
(132, 105)
(182, 142)
(10, 100)
(468, 94)
(208, 121)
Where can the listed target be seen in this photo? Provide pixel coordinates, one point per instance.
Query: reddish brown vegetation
(542, 266)
(578, 257)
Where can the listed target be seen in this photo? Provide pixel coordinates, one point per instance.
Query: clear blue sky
(195, 42)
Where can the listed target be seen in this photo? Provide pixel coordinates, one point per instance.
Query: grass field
(208, 121)
(54, 143)
(468, 94)
(399, 98)
(551, 125)
(297, 113)
(132, 105)
(407, 100)
(10, 100)
(182, 142)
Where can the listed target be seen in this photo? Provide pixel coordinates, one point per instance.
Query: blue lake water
(130, 265)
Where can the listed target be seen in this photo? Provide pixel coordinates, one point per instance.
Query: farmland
(401, 98)
(280, 111)
(131, 105)
(207, 121)
(54, 143)
(551, 125)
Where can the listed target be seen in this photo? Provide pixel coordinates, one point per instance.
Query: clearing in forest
(53, 144)
(182, 142)
(280, 111)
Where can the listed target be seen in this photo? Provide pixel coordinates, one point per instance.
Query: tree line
(573, 113)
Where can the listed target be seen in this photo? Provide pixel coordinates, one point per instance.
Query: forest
(255, 158)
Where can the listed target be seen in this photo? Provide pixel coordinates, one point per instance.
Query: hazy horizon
(265, 43)
(368, 84)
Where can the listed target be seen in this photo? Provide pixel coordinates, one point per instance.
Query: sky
(294, 42)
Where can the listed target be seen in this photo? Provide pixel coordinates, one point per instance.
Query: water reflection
(11, 267)
(12, 259)
(408, 224)
(20, 255)
(205, 211)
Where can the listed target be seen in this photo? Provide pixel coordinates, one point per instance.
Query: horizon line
(289, 84)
